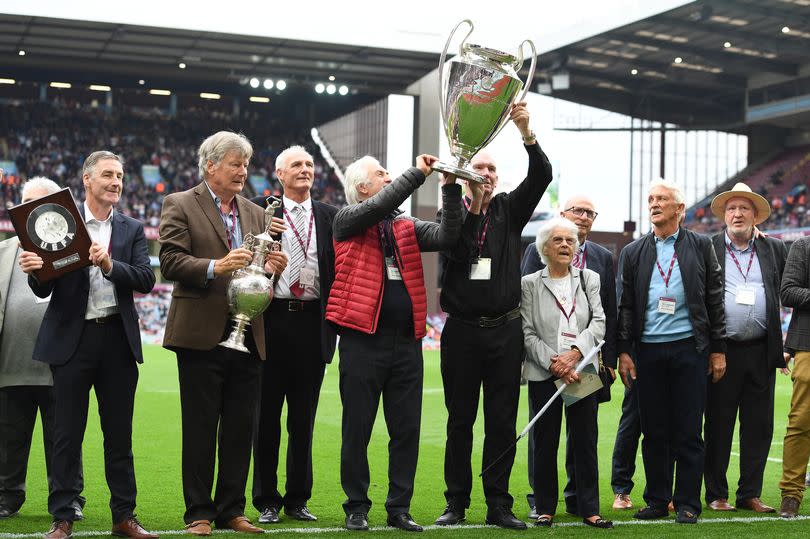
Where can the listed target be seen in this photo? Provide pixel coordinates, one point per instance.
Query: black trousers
(293, 372)
(388, 363)
(18, 414)
(471, 357)
(672, 381)
(625, 448)
(103, 361)
(748, 386)
(219, 392)
(583, 432)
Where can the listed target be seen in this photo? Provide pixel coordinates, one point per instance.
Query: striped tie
(578, 261)
(297, 254)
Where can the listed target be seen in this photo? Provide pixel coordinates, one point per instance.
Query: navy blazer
(599, 260)
(63, 323)
(324, 215)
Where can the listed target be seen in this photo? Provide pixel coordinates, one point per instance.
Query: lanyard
(305, 248)
(234, 214)
(669, 273)
(737, 263)
(562, 309)
(482, 235)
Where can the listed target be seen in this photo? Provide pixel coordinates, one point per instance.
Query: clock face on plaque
(51, 227)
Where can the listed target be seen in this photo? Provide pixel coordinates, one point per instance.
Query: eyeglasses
(579, 212)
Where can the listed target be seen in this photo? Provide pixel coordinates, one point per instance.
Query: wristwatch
(530, 137)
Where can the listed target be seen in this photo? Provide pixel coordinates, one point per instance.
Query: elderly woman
(562, 321)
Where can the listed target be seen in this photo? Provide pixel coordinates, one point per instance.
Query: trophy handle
(442, 96)
(519, 63)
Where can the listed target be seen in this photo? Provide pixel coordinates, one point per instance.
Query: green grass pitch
(160, 498)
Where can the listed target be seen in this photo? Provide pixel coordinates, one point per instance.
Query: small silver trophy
(476, 94)
(250, 290)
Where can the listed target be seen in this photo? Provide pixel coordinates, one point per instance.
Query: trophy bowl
(476, 91)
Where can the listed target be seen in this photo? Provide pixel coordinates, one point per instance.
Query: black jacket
(599, 260)
(771, 254)
(703, 285)
(795, 293)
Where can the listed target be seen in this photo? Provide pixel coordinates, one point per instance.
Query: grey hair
(218, 145)
(92, 160)
(40, 182)
(281, 160)
(544, 233)
(356, 175)
(670, 186)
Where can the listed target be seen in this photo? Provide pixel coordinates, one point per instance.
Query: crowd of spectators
(51, 139)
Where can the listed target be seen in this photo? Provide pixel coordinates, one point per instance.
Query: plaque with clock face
(53, 228)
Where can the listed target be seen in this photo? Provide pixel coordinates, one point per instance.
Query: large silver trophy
(250, 291)
(476, 92)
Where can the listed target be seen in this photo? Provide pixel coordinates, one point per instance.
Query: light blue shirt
(744, 322)
(231, 223)
(660, 327)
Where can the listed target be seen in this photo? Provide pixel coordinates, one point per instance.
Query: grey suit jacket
(8, 252)
(541, 319)
(795, 292)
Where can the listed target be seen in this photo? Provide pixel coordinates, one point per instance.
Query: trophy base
(459, 172)
(236, 339)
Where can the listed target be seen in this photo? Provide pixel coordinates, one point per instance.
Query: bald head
(580, 210)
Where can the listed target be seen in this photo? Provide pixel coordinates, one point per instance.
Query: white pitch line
(733, 520)
(770, 459)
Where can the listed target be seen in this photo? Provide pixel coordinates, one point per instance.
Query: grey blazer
(541, 319)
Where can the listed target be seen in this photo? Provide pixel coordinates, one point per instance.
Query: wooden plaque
(53, 228)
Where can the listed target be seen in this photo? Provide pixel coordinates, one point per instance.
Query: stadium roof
(691, 66)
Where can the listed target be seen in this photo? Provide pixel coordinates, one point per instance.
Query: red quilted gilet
(356, 295)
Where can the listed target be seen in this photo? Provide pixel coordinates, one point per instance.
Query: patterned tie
(578, 259)
(297, 254)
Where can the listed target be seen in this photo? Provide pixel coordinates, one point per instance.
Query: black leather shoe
(599, 523)
(404, 521)
(357, 521)
(452, 516)
(269, 516)
(686, 517)
(6, 511)
(651, 513)
(503, 517)
(300, 513)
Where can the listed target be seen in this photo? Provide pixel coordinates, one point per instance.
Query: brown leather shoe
(622, 501)
(242, 524)
(199, 527)
(790, 507)
(721, 504)
(755, 505)
(60, 529)
(132, 528)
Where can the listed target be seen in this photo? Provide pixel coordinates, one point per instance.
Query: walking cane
(585, 361)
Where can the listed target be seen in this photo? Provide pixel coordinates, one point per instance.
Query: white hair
(281, 160)
(670, 186)
(220, 144)
(544, 233)
(40, 182)
(356, 175)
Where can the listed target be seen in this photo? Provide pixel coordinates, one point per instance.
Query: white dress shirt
(101, 300)
(288, 238)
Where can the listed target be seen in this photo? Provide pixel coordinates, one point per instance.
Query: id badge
(568, 339)
(306, 277)
(481, 269)
(746, 295)
(392, 269)
(666, 305)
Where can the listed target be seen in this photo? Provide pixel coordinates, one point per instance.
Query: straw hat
(743, 191)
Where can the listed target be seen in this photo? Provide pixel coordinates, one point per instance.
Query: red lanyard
(305, 248)
(669, 273)
(234, 215)
(482, 236)
(562, 309)
(750, 261)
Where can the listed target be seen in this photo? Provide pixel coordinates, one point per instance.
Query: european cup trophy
(250, 291)
(476, 92)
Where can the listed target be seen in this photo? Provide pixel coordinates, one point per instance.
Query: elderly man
(201, 231)
(482, 341)
(300, 342)
(674, 324)
(90, 338)
(378, 301)
(795, 293)
(752, 273)
(580, 210)
(25, 385)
